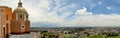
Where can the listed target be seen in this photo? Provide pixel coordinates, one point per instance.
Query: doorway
(4, 35)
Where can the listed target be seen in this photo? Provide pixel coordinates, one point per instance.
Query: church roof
(20, 9)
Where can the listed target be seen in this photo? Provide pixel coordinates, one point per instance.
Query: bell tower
(20, 21)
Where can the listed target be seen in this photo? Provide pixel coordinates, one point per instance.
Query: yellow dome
(20, 9)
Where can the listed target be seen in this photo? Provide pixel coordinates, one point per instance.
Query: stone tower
(20, 23)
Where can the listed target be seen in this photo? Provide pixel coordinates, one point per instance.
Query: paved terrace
(31, 35)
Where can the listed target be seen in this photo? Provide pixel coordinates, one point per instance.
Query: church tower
(20, 22)
(5, 18)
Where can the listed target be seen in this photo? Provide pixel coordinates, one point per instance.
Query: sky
(70, 13)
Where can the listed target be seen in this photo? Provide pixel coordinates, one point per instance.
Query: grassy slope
(102, 37)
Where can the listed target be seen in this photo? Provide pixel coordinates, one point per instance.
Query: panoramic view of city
(59, 18)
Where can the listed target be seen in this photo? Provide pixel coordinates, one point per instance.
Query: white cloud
(97, 20)
(83, 11)
(94, 20)
(38, 12)
(108, 8)
(99, 2)
(41, 11)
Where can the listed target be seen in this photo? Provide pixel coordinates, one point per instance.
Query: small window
(23, 26)
(26, 16)
(20, 16)
(6, 17)
(1, 10)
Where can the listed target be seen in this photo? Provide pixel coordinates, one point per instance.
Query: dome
(20, 10)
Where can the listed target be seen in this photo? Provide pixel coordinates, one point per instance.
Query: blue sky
(70, 12)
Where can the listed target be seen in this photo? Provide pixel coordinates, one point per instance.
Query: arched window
(20, 16)
(26, 16)
(6, 17)
(3, 31)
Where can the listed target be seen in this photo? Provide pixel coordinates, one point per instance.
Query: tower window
(22, 26)
(20, 16)
(26, 16)
(6, 17)
(1, 10)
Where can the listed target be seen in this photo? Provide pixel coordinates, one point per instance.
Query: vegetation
(103, 36)
(106, 35)
(69, 36)
(95, 36)
(46, 34)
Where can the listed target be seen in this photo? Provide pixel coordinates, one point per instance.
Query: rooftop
(31, 35)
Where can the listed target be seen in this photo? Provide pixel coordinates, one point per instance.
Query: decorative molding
(16, 17)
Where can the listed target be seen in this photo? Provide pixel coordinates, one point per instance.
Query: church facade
(15, 23)
(5, 21)
(20, 22)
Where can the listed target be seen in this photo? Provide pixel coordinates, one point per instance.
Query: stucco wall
(5, 18)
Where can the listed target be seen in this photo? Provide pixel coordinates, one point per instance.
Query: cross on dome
(20, 3)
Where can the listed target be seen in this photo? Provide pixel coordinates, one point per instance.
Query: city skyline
(71, 12)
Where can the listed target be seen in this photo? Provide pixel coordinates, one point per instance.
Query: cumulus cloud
(108, 8)
(43, 11)
(97, 20)
(94, 20)
(83, 11)
(99, 2)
